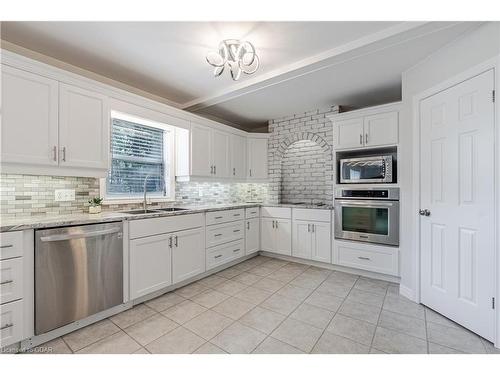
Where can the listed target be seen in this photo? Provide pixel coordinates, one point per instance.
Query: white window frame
(169, 145)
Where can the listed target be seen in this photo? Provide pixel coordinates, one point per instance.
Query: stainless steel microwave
(364, 170)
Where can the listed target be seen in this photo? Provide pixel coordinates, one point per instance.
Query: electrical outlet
(64, 195)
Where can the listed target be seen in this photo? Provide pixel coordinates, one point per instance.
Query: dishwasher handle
(72, 236)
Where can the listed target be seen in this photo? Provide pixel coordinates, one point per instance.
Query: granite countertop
(37, 222)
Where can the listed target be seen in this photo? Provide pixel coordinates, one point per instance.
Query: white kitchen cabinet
(267, 234)
(321, 242)
(276, 235)
(29, 118)
(257, 158)
(252, 235)
(150, 264)
(311, 240)
(348, 133)
(11, 323)
(302, 239)
(83, 128)
(220, 154)
(238, 156)
(188, 254)
(381, 129)
(201, 151)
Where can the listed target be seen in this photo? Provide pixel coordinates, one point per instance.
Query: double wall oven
(367, 214)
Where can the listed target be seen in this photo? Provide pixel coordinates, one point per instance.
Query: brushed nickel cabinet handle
(176, 241)
(6, 246)
(308, 228)
(64, 153)
(54, 150)
(236, 250)
(170, 242)
(364, 258)
(215, 169)
(6, 282)
(248, 225)
(218, 217)
(218, 234)
(366, 138)
(236, 231)
(361, 139)
(234, 171)
(217, 256)
(7, 326)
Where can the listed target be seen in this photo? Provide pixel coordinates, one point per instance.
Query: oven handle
(372, 204)
(64, 237)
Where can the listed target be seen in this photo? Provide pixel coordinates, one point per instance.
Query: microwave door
(357, 171)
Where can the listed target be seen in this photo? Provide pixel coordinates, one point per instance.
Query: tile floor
(266, 305)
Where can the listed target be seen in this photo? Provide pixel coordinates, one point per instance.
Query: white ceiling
(304, 65)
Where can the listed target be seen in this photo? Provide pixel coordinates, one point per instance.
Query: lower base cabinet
(252, 235)
(188, 254)
(311, 240)
(276, 235)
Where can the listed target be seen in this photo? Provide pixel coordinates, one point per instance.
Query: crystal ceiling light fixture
(237, 55)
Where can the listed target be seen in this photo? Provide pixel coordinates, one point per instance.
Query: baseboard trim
(407, 292)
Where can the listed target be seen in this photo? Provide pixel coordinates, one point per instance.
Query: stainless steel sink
(141, 212)
(171, 209)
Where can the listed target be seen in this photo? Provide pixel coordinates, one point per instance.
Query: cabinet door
(188, 254)
(29, 118)
(83, 128)
(283, 237)
(238, 156)
(150, 265)
(268, 235)
(348, 133)
(257, 158)
(301, 239)
(201, 151)
(252, 236)
(321, 242)
(381, 129)
(220, 152)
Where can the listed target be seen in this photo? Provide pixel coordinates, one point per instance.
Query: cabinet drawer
(11, 244)
(281, 212)
(311, 214)
(159, 225)
(222, 233)
(218, 217)
(11, 323)
(225, 253)
(374, 258)
(11, 279)
(252, 212)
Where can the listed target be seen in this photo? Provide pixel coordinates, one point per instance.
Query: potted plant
(95, 205)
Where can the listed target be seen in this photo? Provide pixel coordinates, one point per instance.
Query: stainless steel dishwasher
(78, 272)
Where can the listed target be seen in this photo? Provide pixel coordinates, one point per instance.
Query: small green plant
(96, 201)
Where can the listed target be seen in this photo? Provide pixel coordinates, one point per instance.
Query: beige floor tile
(230, 287)
(231, 272)
(298, 334)
(56, 346)
(372, 286)
(490, 348)
(333, 344)
(376, 351)
(269, 285)
(335, 289)
(276, 263)
(243, 266)
(209, 348)
(294, 292)
(238, 339)
(403, 323)
(324, 300)
(150, 329)
(262, 319)
(208, 324)
(284, 275)
(141, 351)
(402, 305)
(455, 338)
(307, 281)
(88, 335)
(395, 342)
(360, 311)
(353, 329)
(439, 349)
(209, 298)
(118, 343)
(367, 298)
(247, 278)
(253, 295)
(272, 346)
(191, 290)
(393, 290)
(280, 304)
(178, 341)
(261, 270)
(184, 311)
(313, 315)
(233, 308)
(212, 281)
(295, 267)
(343, 278)
(131, 316)
(317, 273)
(164, 302)
(434, 317)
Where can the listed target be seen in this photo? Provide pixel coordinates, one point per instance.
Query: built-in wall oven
(368, 169)
(367, 214)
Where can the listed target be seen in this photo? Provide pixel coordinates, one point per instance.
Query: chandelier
(237, 55)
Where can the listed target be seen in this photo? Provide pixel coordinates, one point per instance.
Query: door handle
(361, 139)
(273, 224)
(215, 169)
(234, 171)
(276, 224)
(250, 172)
(64, 153)
(54, 150)
(424, 212)
(366, 138)
(248, 225)
(312, 226)
(170, 242)
(176, 241)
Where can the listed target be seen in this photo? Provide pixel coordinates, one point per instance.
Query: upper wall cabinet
(238, 156)
(52, 128)
(257, 158)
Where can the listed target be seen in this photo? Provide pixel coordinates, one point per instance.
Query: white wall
(469, 50)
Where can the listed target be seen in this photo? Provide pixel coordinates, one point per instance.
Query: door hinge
(493, 303)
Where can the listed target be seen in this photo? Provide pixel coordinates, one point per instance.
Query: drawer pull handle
(236, 230)
(236, 250)
(6, 282)
(236, 214)
(364, 258)
(217, 256)
(218, 217)
(6, 246)
(218, 234)
(7, 326)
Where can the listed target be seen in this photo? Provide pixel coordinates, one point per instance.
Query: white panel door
(348, 133)
(220, 152)
(238, 156)
(283, 236)
(381, 129)
(252, 235)
(29, 118)
(83, 128)
(302, 239)
(257, 158)
(150, 264)
(321, 242)
(188, 254)
(457, 187)
(268, 234)
(201, 151)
